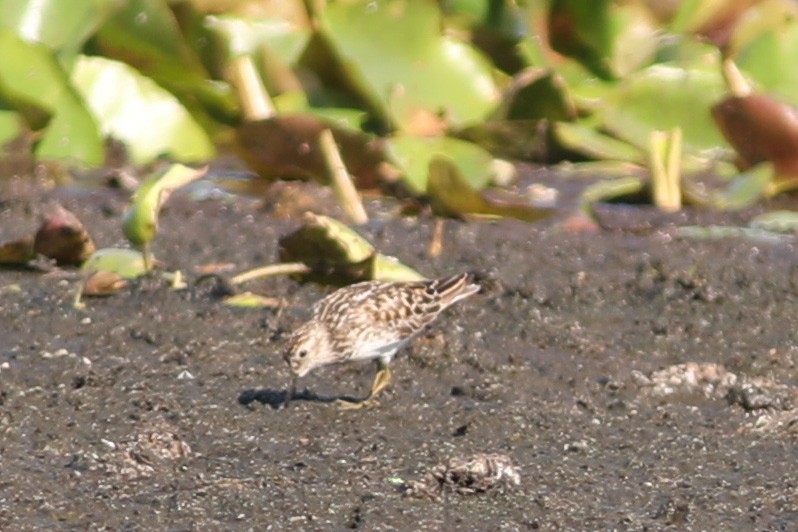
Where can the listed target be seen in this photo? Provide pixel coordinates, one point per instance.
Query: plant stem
(341, 181)
(285, 268)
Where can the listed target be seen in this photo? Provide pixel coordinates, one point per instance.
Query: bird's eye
(303, 353)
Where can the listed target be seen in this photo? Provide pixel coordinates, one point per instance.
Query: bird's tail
(452, 289)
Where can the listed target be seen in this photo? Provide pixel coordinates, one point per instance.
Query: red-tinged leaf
(62, 237)
(761, 129)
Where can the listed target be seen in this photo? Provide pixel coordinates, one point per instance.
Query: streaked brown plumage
(371, 320)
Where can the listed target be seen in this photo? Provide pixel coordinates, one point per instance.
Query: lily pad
(770, 58)
(609, 189)
(511, 139)
(285, 36)
(537, 93)
(662, 97)
(126, 105)
(586, 139)
(31, 79)
(148, 36)
(413, 155)
(62, 26)
(428, 73)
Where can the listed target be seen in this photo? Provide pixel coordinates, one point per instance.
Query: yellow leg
(381, 381)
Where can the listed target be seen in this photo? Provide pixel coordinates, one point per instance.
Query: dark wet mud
(637, 380)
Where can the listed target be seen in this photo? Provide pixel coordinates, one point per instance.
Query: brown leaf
(103, 283)
(719, 27)
(761, 129)
(17, 252)
(288, 147)
(62, 237)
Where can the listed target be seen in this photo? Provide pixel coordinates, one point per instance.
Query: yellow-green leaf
(134, 109)
(451, 195)
(127, 263)
(140, 221)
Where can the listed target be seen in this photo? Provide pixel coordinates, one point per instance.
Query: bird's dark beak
(289, 394)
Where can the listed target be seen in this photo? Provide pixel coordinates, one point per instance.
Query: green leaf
(32, 79)
(62, 26)
(293, 103)
(451, 195)
(665, 96)
(582, 30)
(413, 155)
(246, 35)
(140, 221)
(771, 60)
(134, 109)
(393, 53)
(10, 124)
(127, 263)
(608, 189)
(585, 139)
(776, 221)
(337, 254)
(746, 189)
(146, 35)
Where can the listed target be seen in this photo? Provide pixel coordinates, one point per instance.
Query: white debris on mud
(775, 402)
(477, 473)
(711, 380)
(154, 447)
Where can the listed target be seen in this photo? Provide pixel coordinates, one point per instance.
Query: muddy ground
(157, 409)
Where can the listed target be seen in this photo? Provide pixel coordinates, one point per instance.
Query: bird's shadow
(277, 398)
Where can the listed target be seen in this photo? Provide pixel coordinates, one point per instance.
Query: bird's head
(308, 348)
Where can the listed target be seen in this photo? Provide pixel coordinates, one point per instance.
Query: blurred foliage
(401, 82)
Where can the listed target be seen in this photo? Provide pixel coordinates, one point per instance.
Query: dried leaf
(338, 255)
(103, 283)
(288, 147)
(62, 237)
(17, 252)
(761, 129)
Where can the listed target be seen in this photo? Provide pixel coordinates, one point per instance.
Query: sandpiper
(370, 320)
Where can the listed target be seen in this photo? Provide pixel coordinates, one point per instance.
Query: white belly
(383, 351)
